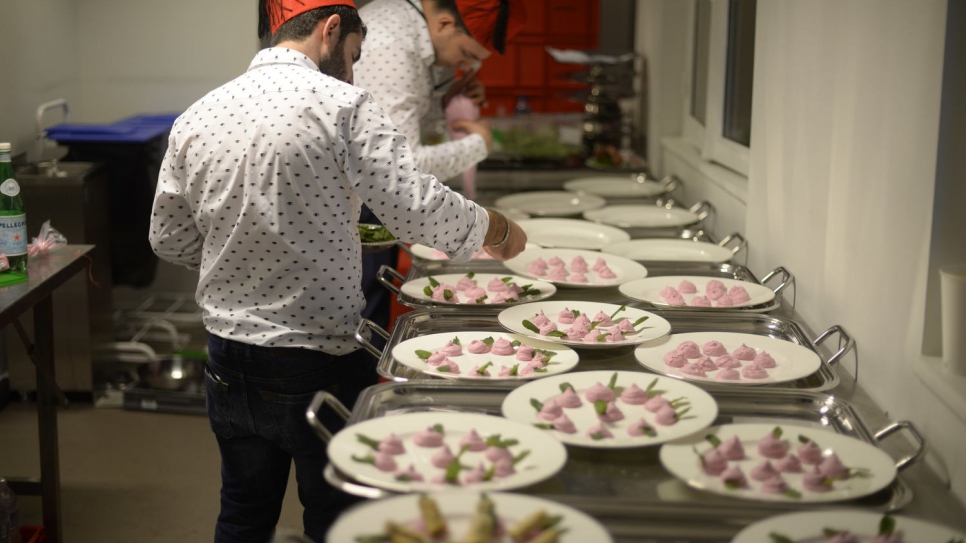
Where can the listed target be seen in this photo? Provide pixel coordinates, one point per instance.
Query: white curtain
(842, 176)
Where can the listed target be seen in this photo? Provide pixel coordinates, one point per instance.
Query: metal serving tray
(421, 323)
(629, 490)
(612, 295)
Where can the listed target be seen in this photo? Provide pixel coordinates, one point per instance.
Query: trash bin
(132, 150)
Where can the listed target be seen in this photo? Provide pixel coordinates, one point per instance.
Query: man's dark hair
(449, 6)
(301, 26)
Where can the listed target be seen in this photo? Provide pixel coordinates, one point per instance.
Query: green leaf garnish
(777, 432)
(613, 381)
(540, 370)
(482, 369)
(565, 386)
(576, 313)
(516, 343)
(377, 538)
(640, 320)
(536, 404)
(619, 309)
(513, 370)
(367, 459)
(713, 440)
(543, 425)
(732, 485)
(597, 436)
(444, 368)
(779, 538)
(489, 473)
(423, 355)
(447, 294)
(518, 458)
(803, 439)
(557, 333)
(432, 282)
(601, 337)
(373, 443)
(456, 340)
(530, 326)
(428, 291)
(792, 493)
(506, 280)
(438, 428)
(471, 275)
(600, 407)
(489, 341)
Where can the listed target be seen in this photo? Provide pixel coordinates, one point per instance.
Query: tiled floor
(127, 476)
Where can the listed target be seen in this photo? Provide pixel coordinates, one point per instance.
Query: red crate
(32, 534)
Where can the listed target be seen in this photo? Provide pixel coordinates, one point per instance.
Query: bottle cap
(4, 147)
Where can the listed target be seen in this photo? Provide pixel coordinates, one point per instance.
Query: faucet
(48, 167)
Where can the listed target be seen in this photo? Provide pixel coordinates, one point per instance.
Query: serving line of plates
(649, 290)
(864, 525)
(550, 203)
(648, 216)
(623, 269)
(572, 234)
(622, 186)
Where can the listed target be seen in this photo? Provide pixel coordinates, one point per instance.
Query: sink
(59, 174)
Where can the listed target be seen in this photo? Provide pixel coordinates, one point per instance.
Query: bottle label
(10, 187)
(13, 234)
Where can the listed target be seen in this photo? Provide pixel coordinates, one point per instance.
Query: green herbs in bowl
(375, 238)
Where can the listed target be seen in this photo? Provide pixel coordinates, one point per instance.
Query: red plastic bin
(32, 534)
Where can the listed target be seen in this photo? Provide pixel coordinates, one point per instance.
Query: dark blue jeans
(257, 397)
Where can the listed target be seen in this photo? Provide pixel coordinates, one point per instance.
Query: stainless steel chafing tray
(420, 323)
(629, 490)
(612, 295)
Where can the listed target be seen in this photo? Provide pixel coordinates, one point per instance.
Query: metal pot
(172, 373)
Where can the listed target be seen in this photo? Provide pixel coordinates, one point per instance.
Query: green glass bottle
(13, 219)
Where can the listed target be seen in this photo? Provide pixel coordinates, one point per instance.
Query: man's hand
(468, 85)
(502, 228)
(476, 127)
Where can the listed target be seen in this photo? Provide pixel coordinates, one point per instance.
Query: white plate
(428, 253)
(405, 353)
(616, 187)
(653, 328)
(415, 288)
(669, 250)
(642, 216)
(649, 290)
(808, 525)
(791, 361)
(550, 203)
(545, 459)
(571, 233)
(682, 461)
(458, 509)
(518, 406)
(623, 268)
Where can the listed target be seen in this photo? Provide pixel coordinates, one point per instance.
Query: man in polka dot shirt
(260, 190)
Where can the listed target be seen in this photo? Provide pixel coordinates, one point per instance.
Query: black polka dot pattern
(397, 68)
(262, 186)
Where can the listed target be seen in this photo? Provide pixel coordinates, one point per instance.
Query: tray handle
(312, 413)
(742, 243)
(334, 478)
(787, 280)
(381, 277)
(702, 209)
(405, 247)
(912, 457)
(362, 337)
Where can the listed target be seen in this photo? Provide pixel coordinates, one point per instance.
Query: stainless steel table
(46, 275)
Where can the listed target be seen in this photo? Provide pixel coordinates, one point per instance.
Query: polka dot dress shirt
(261, 188)
(397, 68)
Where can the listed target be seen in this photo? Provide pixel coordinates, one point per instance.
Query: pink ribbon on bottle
(461, 108)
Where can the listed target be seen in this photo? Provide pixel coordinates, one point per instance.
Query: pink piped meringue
(599, 264)
(577, 278)
(504, 371)
(477, 347)
(540, 318)
(666, 416)
(600, 431)
(534, 269)
(566, 316)
(439, 294)
(472, 441)
(732, 449)
(428, 438)
(578, 264)
(451, 349)
(714, 284)
(687, 287)
(693, 369)
(706, 364)
(503, 468)
(713, 462)
(598, 392)
(764, 360)
(502, 347)
(550, 410)
(564, 424)
(700, 301)
(476, 372)
(810, 453)
(496, 454)
(789, 464)
(436, 358)
(612, 413)
(524, 353)
(727, 374)
(448, 366)
(667, 291)
(496, 285)
(593, 336)
(772, 447)
(640, 428)
(739, 294)
(442, 457)
(546, 328)
(832, 466)
(499, 298)
(725, 301)
(816, 481)
(735, 476)
(391, 445)
(409, 474)
(569, 399)
(615, 335)
(689, 349)
(714, 348)
(606, 273)
(384, 462)
(774, 485)
(603, 319)
(744, 353)
(634, 395)
(675, 300)
(763, 471)
(727, 362)
(475, 293)
(655, 403)
(465, 283)
(556, 262)
(557, 274)
(752, 371)
(475, 475)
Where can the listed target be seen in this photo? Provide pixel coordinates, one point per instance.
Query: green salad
(372, 233)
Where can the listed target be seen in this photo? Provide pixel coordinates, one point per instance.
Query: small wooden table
(45, 275)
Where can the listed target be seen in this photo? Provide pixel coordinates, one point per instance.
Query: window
(717, 117)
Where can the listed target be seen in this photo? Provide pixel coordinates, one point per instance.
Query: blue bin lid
(136, 129)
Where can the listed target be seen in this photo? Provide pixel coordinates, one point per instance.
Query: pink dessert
(599, 264)
(527, 369)
(832, 467)
(475, 475)
(693, 369)
(789, 464)
(566, 316)
(577, 278)
(550, 410)
(772, 447)
(409, 474)
(448, 366)
(764, 360)
(575, 334)
(667, 292)
(540, 318)
(465, 283)
(810, 453)
(700, 301)
(714, 284)
(391, 445)
(599, 431)
(816, 481)
(496, 285)
(739, 294)
(555, 262)
(775, 485)
(476, 372)
(687, 287)
(578, 264)
(634, 395)
(503, 468)
(558, 274)
(843, 537)
(539, 263)
(495, 454)
(713, 462)
(593, 336)
(611, 414)
(763, 471)
(732, 449)
(714, 348)
(478, 347)
(744, 353)
(439, 479)
(475, 293)
(727, 362)
(689, 349)
(428, 438)
(725, 301)
(727, 374)
(640, 428)
(534, 269)
(624, 325)
(384, 462)
(499, 298)
(439, 294)
(546, 328)
(603, 319)
(706, 363)
(513, 290)
(734, 477)
(502, 347)
(675, 300)
(606, 273)
(540, 360)
(656, 403)
(569, 399)
(564, 424)
(599, 392)
(436, 358)
(442, 457)
(472, 441)
(615, 335)
(524, 353)
(666, 416)
(582, 321)
(451, 349)
(752, 371)
(505, 371)
(473, 301)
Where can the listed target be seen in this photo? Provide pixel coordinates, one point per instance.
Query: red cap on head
(493, 22)
(282, 10)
